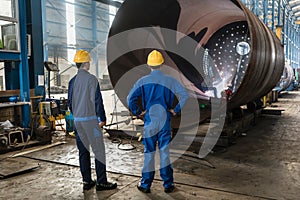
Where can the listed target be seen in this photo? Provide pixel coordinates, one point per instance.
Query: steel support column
(265, 10)
(95, 38)
(45, 38)
(273, 16)
(24, 71)
(35, 29)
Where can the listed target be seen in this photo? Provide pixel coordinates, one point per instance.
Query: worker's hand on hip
(101, 124)
(141, 116)
(172, 112)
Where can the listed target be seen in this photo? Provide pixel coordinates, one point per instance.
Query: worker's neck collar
(155, 69)
(82, 69)
(85, 66)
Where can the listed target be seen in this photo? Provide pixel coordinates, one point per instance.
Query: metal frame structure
(21, 60)
(92, 23)
(283, 17)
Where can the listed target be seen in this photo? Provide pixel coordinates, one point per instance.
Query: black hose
(119, 142)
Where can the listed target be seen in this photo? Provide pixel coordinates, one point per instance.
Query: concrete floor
(263, 164)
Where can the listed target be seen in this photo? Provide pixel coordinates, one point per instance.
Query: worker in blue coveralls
(157, 92)
(86, 104)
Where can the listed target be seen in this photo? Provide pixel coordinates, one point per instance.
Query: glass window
(8, 8)
(77, 24)
(9, 35)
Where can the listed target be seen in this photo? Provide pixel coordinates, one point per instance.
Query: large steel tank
(234, 50)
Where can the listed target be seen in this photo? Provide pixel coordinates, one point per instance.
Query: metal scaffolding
(283, 18)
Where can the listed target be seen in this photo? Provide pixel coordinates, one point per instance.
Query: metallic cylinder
(234, 50)
(266, 62)
(287, 77)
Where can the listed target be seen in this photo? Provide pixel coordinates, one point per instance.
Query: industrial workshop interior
(150, 99)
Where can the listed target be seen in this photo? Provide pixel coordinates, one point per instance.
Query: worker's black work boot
(87, 186)
(142, 189)
(169, 189)
(106, 186)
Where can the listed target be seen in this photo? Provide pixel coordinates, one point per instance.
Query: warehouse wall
(91, 24)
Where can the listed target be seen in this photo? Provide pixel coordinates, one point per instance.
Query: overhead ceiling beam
(117, 4)
(297, 13)
(296, 7)
(293, 3)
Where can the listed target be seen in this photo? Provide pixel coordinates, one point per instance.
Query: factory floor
(264, 163)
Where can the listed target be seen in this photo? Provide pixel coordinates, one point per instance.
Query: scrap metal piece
(16, 166)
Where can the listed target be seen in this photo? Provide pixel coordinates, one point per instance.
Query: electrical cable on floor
(186, 157)
(118, 140)
(120, 143)
(207, 163)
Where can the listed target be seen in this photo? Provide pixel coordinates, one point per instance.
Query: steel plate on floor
(15, 166)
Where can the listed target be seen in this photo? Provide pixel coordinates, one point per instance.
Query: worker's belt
(84, 119)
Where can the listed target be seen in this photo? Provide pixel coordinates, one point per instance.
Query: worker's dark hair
(78, 65)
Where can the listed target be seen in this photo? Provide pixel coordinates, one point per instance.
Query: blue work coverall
(157, 91)
(86, 104)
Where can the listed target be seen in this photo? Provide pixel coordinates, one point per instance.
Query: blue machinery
(28, 63)
(20, 62)
(23, 65)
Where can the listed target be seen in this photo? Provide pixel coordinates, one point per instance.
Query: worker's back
(157, 89)
(158, 93)
(83, 97)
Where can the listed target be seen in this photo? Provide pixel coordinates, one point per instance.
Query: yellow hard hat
(155, 58)
(82, 56)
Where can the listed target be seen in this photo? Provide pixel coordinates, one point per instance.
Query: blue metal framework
(21, 60)
(9, 56)
(285, 14)
(36, 61)
(24, 70)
